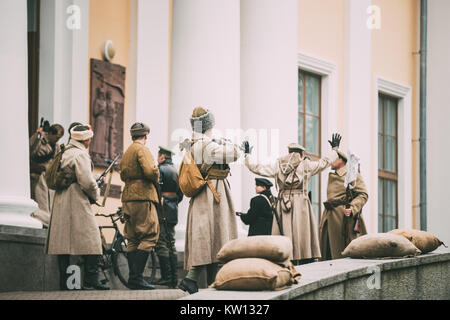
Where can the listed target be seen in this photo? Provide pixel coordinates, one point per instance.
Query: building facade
(272, 71)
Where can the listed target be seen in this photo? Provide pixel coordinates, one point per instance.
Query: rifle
(45, 125)
(110, 167)
(100, 178)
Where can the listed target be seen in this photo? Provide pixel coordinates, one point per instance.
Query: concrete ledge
(423, 277)
(23, 264)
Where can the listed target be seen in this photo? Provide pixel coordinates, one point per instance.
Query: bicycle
(115, 256)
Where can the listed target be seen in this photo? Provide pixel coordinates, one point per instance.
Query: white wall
(64, 63)
(438, 119)
(269, 81)
(205, 72)
(360, 125)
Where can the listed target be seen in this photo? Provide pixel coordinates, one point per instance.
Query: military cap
(262, 182)
(295, 147)
(139, 129)
(165, 151)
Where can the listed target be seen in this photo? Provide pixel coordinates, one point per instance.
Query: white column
(149, 69)
(64, 61)
(360, 131)
(438, 116)
(15, 202)
(269, 79)
(205, 72)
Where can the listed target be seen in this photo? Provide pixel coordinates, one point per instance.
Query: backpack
(190, 179)
(57, 179)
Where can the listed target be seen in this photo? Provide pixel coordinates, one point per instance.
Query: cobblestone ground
(158, 294)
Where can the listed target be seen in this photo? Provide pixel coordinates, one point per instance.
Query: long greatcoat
(41, 152)
(332, 238)
(73, 228)
(291, 174)
(210, 224)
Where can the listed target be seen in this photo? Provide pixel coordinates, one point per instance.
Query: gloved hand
(246, 147)
(335, 140)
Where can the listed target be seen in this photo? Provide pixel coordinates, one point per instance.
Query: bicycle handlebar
(118, 213)
(104, 215)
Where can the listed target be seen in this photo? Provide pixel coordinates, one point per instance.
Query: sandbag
(424, 241)
(380, 245)
(254, 274)
(273, 248)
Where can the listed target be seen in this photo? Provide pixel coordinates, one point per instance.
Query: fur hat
(81, 132)
(202, 120)
(139, 129)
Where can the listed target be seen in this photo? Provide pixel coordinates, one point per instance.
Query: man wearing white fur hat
(73, 229)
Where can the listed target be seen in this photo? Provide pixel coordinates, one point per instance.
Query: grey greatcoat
(210, 224)
(291, 174)
(73, 228)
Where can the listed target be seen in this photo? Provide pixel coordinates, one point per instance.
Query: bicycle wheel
(150, 268)
(120, 261)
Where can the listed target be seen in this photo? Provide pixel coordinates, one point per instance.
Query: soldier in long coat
(336, 225)
(295, 212)
(139, 201)
(210, 224)
(43, 147)
(73, 228)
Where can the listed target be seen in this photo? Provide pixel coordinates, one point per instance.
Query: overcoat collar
(342, 171)
(77, 144)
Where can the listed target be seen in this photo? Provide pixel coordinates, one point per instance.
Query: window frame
(384, 174)
(303, 73)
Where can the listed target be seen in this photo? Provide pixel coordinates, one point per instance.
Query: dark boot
(136, 262)
(164, 266)
(91, 281)
(173, 270)
(188, 285)
(211, 272)
(63, 264)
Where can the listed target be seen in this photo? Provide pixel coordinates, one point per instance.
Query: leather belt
(135, 181)
(168, 194)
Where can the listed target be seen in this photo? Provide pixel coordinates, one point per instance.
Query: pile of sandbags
(397, 243)
(380, 245)
(424, 241)
(256, 263)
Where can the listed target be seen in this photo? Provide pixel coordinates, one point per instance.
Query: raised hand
(335, 140)
(245, 146)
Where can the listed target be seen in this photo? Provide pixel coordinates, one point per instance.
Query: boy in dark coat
(260, 215)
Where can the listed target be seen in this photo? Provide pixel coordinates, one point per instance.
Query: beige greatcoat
(294, 207)
(210, 224)
(73, 228)
(41, 149)
(331, 232)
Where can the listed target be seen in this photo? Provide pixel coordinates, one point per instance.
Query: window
(309, 93)
(387, 163)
